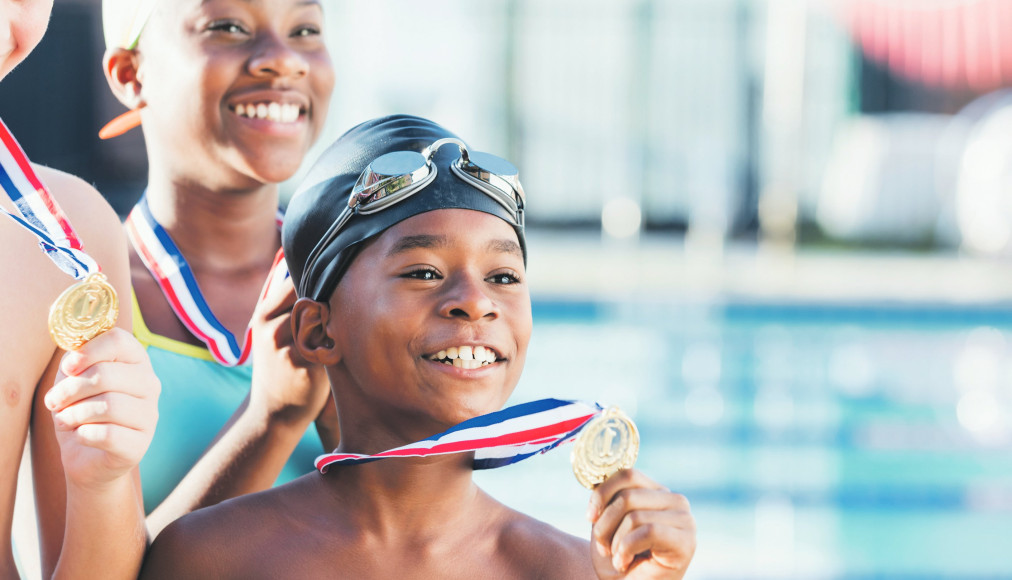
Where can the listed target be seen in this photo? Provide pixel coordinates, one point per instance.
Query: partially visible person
(230, 95)
(410, 265)
(97, 420)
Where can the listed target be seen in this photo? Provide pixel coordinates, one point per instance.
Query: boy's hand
(641, 530)
(105, 405)
(285, 385)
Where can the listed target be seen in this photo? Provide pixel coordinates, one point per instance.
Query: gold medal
(83, 311)
(609, 443)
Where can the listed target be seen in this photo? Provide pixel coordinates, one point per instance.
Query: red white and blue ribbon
(179, 286)
(497, 439)
(40, 214)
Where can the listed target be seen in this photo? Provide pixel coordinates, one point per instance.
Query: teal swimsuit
(198, 398)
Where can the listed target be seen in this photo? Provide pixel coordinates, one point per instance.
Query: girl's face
(435, 286)
(22, 24)
(235, 91)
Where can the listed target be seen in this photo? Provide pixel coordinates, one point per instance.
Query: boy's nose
(467, 299)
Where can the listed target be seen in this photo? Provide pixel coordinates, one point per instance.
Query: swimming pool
(814, 441)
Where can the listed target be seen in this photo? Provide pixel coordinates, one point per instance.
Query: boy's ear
(121, 66)
(309, 328)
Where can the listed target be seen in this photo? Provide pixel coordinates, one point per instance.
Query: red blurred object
(947, 43)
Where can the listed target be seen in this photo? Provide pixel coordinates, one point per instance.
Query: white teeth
(274, 112)
(466, 357)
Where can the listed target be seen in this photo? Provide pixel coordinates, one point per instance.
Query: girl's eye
(306, 31)
(423, 274)
(227, 26)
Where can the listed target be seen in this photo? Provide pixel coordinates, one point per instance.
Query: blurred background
(776, 232)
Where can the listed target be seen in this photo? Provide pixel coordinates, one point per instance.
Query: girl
(96, 421)
(231, 94)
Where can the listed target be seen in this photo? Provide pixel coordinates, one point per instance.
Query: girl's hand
(105, 405)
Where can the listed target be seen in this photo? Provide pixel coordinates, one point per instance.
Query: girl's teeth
(275, 112)
(466, 353)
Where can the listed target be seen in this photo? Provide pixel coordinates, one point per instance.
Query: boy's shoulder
(548, 551)
(259, 535)
(226, 540)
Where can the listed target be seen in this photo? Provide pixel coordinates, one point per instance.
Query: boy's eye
(423, 274)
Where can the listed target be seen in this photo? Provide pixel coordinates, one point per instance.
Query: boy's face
(22, 24)
(243, 85)
(435, 282)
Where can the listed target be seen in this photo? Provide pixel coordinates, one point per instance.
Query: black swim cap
(323, 196)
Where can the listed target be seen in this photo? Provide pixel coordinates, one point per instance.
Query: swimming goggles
(396, 176)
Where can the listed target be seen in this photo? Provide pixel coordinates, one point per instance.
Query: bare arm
(91, 428)
(251, 449)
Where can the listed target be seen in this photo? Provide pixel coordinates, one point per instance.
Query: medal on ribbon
(89, 307)
(609, 439)
(170, 269)
(607, 444)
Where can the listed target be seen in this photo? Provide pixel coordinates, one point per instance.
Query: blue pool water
(814, 441)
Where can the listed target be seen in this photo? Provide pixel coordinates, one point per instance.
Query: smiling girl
(231, 94)
(91, 412)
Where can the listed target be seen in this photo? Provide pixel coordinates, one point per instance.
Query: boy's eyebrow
(427, 241)
(420, 241)
(504, 246)
(300, 3)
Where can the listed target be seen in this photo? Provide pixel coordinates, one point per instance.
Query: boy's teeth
(466, 357)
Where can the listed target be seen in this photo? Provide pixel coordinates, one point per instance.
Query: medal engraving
(609, 443)
(82, 312)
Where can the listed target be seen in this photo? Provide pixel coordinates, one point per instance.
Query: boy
(409, 254)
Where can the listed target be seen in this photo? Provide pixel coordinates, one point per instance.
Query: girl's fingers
(122, 443)
(116, 345)
(133, 379)
(113, 408)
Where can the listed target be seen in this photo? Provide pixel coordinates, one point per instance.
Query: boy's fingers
(605, 493)
(631, 507)
(668, 546)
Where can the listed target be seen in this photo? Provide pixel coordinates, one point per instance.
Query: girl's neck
(219, 230)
